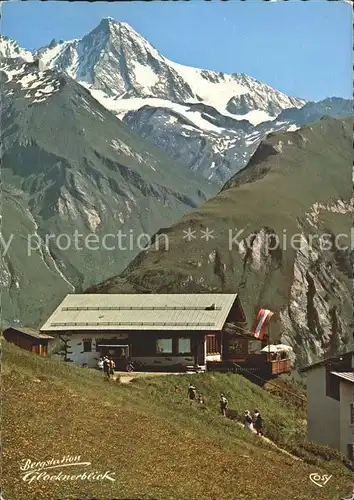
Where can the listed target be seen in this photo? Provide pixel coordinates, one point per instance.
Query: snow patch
(121, 147)
(93, 218)
(211, 87)
(255, 117)
(122, 106)
(145, 75)
(25, 80)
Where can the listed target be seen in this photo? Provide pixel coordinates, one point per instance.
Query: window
(212, 345)
(351, 413)
(87, 345)
(254, 347)
(164, 346)
(238, 346)
(184, 345)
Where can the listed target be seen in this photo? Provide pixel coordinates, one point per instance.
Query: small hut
(28, 339)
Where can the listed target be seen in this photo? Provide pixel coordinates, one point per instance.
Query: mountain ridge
(96, 177)
(121, 40)
(206, 120)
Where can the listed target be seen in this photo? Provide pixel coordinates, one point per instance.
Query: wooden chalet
(28, 339)
(156, 331)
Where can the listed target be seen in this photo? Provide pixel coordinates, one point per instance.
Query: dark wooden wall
(22, 340)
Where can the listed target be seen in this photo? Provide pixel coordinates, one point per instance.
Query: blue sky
(301, 48)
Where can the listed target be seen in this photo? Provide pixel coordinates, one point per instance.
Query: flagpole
(269, 341)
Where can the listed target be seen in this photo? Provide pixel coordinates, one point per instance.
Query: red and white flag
(260, 325)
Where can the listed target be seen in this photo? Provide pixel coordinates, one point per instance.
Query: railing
(281, 366)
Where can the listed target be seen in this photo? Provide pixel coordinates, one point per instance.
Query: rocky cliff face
(320, 298)
(278, 234)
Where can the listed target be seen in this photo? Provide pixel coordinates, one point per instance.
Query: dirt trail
(281, 449)
(272, 443)
(125, 378)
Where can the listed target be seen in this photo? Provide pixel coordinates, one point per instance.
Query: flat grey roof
(339, 359)
(349, 376)
(141, 312)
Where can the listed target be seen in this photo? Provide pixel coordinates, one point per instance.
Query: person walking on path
(192, 392)
(248, 421)
(112, 366)
(258, 422)
(223, 405)
(106, 367)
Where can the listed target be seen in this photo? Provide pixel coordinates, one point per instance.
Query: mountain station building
(159, 331)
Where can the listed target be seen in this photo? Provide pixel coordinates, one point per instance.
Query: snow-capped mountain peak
(105, 58)
(117, 63)
(209, 121)
(121, 69)
(11, 50)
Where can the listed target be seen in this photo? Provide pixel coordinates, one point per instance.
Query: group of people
(107, 365)
(254, 422)
(251, 422)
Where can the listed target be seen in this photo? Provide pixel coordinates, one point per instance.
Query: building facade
(346, 417)
(157, 331)
(330, 403)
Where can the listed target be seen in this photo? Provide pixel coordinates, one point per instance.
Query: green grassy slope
(158, 444)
